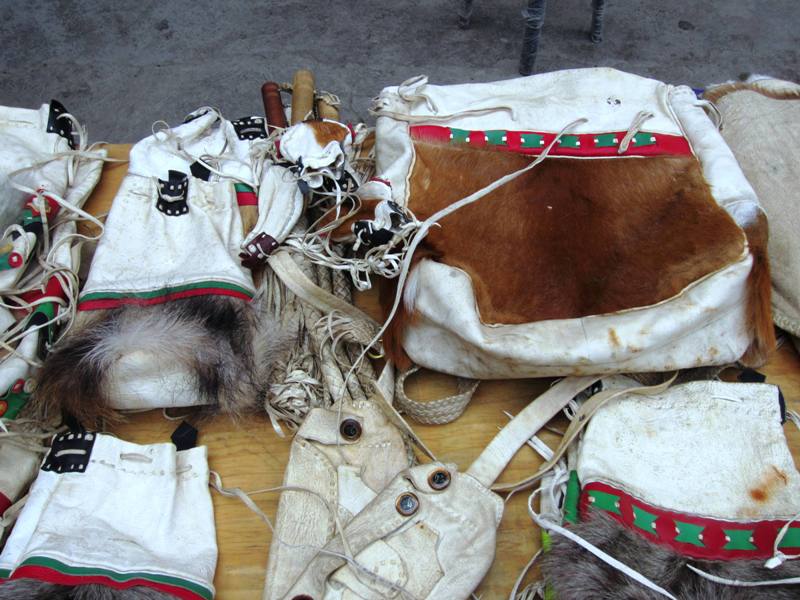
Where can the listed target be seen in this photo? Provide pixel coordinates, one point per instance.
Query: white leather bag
(625, 118)
(110, 512)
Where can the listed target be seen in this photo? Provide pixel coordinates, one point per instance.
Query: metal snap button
(350, 429)
(407, 504)
(439, 479)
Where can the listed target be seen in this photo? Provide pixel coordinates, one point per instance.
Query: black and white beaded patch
(70, 452)
(172, 194)
(57, 123)
(250, 128)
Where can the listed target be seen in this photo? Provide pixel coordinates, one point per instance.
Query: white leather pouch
(429, 533)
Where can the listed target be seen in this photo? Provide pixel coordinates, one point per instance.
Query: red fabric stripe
(246, 199)
(430, 133)
(764, 532)
(53, 289)
(105, 303)
(4, 503)
(52, 576)
(665, 145)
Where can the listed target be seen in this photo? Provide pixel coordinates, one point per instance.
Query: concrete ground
(121, 68)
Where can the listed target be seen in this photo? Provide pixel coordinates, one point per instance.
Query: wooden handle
(273, 107)
(326, 110)
(302, 95)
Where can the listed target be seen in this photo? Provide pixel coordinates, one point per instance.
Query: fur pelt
(229, 344)
(33, 589)
(576, 574)
(759, 296)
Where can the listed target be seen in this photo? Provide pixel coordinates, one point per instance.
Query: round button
(350, 429)
(302, 597)
(439, 479)
(14, 259)
(407, 504)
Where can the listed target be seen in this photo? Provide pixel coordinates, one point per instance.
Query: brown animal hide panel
(572, 237)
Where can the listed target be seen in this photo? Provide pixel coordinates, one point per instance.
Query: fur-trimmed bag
(108, 519)
(681, 487)
(636, 245)
(165, 318)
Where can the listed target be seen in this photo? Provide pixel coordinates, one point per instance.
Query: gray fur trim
(33, 589)
(576, 574)
(216, 337)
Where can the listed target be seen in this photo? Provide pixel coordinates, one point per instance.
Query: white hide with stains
(706, 448)
(339, 475)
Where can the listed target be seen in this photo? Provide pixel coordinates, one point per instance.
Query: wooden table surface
(248, 454)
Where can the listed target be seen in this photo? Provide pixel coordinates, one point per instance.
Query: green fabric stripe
(547, 541)
(5, 264)
(608, 502)
(571, 498)
(644, 139)
(606, 140)
(50, 563)
(531, 140)
(4, 573)
(242, 187)
(570, 141)
(494, 137)
(791, 539)
(459, 136)
(689, 533)
(740, 539)
(166, 290)
(644, 520)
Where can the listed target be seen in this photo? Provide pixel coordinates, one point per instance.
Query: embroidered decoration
(250, 128)
(257, 250)
(57, 123)
(172, 194)
(106, 300)
(690, 535)
(32, 214)
(15, 398)
(245, 195)
(70, 452)
(10, 260)
(601, 144)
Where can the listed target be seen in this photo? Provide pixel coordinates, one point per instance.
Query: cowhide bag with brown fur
(636, 245)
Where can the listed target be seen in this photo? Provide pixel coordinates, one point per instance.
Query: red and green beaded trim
(692, 536)
(105, 300)
(534, 142)
(245, 195)
(54, 571)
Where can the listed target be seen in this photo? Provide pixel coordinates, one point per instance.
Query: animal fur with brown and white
(573, 237)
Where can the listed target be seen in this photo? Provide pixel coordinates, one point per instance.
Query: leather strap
(491, 462)
(582, 417)
(293, 278)
(434, 412)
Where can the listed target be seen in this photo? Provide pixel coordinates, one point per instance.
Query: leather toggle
(257, 251)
